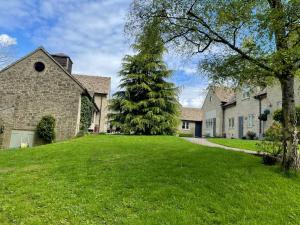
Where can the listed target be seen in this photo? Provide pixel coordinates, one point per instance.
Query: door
(198, 129)
(19, 137)
(241, 127)
(214, 127)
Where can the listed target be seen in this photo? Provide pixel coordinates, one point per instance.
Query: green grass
(236, 143)
(142, 180)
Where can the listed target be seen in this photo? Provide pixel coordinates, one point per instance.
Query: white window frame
(251, 120)
(231, 122)
(185, 125)
(246, 92)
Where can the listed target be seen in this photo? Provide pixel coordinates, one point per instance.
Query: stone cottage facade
(191, 121)
(212, 110)
(235, 113)
(99, 88)
(40, 84)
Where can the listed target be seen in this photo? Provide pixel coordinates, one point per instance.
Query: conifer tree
(147, 103)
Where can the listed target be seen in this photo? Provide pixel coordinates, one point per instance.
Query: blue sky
(91, 33)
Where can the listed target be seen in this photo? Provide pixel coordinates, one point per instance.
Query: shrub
(272, 144)
(269, 160)
(185, 135)
(278, 115)
(251, 135)
(46, 129)
(274, 133)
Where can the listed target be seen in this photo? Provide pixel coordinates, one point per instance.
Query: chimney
(64, 60)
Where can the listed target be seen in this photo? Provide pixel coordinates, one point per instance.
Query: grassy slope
(142, 180)
(236, 143)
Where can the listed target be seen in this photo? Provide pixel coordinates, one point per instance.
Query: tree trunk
(290, 139)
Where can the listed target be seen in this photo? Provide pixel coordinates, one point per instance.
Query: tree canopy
(259, 41)
(147, 103)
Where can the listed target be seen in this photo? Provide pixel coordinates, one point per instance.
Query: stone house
(191, 121)
(234, 113)
(41, 84)
(212, 110)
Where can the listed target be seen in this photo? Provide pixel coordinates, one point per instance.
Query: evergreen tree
(147, 103)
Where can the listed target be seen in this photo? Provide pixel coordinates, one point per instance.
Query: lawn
(142, 180)
(236, 143)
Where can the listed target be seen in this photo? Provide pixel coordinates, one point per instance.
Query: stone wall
(244, 107)
(102, 103)
(212, 109)
(7, 122)
(36, 94)
(191, 129)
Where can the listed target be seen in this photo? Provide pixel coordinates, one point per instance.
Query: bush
(251, 135)
(272, 144)
(269, 160)
(46, 129)
(274, 133)
(185, 135)
(278, 115)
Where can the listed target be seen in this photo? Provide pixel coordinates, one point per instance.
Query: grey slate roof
(191, 114)
(94, 84)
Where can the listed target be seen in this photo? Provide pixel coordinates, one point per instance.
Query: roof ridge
(88, 75)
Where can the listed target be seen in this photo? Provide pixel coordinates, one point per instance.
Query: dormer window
(246, 92)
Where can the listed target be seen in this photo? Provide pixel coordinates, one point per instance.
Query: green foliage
(86, 114)
(251, 135)
(272, 144)
(278, 115)
(185, 135)
(147, 103)
(46, 129)
(257, 43)
(242, 32)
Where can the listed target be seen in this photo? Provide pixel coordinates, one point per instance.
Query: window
(210, 98)
(210, 123)
(231, 122)
(250, 120)
(39, 66)
(185, 125)
(246, 92)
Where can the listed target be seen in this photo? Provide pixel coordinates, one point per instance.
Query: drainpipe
(223, 121)
(260, 130)
(100, 114)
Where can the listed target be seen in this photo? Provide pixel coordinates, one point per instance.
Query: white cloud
(193, 96)
(6, 40)
(91, 33)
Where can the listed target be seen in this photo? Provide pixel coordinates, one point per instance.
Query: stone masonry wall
(6, 120)
(191, 129)
(35, 94)
(212, 108)
(101, 102)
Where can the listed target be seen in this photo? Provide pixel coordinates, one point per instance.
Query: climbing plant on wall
(86, 113)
